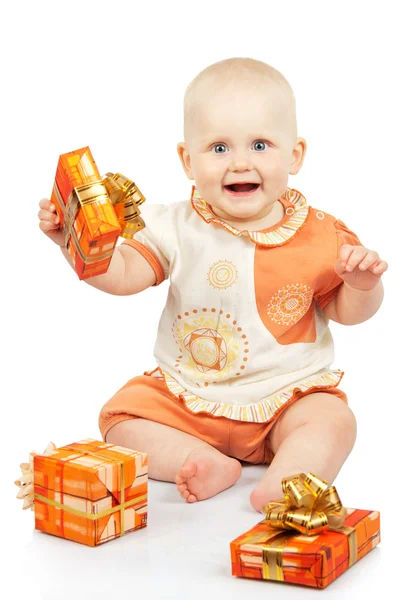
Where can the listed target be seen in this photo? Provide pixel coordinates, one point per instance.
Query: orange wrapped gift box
(90, 491)
(332, 538)
(93, 211)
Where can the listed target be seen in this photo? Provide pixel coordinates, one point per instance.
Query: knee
(340, 424)
(118, 434)
(325, 413)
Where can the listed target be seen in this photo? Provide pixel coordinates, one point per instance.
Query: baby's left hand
(359, 267)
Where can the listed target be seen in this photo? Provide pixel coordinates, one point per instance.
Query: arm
(129, 273)
(361, 293)
(352, 306)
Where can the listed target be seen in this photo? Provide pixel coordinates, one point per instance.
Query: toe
(185, 494)
(192, 498)
(256, 499)
(182, 487)
(179, 479)
(188, 470)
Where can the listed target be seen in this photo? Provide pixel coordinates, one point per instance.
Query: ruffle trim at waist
(258, 412)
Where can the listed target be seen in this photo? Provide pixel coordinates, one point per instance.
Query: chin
(245, 209)
(242, 214)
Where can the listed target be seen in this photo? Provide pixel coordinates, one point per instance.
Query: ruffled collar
(296, 213)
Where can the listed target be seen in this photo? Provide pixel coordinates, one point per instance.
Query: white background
(112, 75)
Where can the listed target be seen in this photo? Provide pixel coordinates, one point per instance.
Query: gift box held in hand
(89, 492)
(308, 538)
(93, 211)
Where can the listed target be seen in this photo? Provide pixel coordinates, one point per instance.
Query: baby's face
(239, 149)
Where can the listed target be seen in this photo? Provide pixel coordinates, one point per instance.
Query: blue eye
(260, 145)
(218, 149)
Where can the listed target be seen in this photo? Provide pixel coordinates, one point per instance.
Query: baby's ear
(298, 155)
(185, 158)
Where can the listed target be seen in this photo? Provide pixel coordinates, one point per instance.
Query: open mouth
(242, 189)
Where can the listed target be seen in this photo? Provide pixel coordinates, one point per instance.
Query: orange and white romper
(243, 334)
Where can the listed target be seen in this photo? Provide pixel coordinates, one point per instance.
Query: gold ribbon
(117, 189)
(126, 198)
(26, 484)
(309, 507)
(26, 481)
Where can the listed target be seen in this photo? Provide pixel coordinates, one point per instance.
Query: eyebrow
(224, 138)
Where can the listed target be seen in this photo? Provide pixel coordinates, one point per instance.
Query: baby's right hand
(49, 222)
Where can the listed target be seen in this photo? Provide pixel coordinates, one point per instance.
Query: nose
(241, 160)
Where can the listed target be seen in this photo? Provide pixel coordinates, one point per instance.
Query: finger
(46, 204)
(344, 252)
(47, 226)
(45, 215)
(379, 268)
(351, 256)
(370, 259)
(339, 267)
(357, 256)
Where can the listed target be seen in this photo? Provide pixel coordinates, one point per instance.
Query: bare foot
(262, 495)
(205, 475)
(269, 488)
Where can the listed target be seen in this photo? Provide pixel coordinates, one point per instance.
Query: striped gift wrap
(90, 491)
(269, 553)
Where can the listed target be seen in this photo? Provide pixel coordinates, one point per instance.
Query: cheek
(211, 170)
(278, 166)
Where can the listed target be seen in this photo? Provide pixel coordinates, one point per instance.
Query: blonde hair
(237, 71)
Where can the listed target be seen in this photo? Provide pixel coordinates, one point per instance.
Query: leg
(317, 434)
(199, 470)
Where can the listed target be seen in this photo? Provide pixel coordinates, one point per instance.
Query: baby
(243, 347)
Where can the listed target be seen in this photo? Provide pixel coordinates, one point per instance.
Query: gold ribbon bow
(126, 198)
(26, 481)
(309, 506)
(122, 193)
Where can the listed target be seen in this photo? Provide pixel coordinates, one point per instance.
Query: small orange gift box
(308, 538)
(89, 492)
(93, 211)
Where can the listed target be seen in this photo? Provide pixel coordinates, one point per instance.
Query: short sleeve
(343, 236)
(148, 241)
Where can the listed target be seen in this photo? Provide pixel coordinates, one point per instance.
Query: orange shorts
(149, 398)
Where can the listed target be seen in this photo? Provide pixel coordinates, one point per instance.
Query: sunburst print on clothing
(290, 303)
(222, 274)
(211, 344)
(204, 352)
(207, 348)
